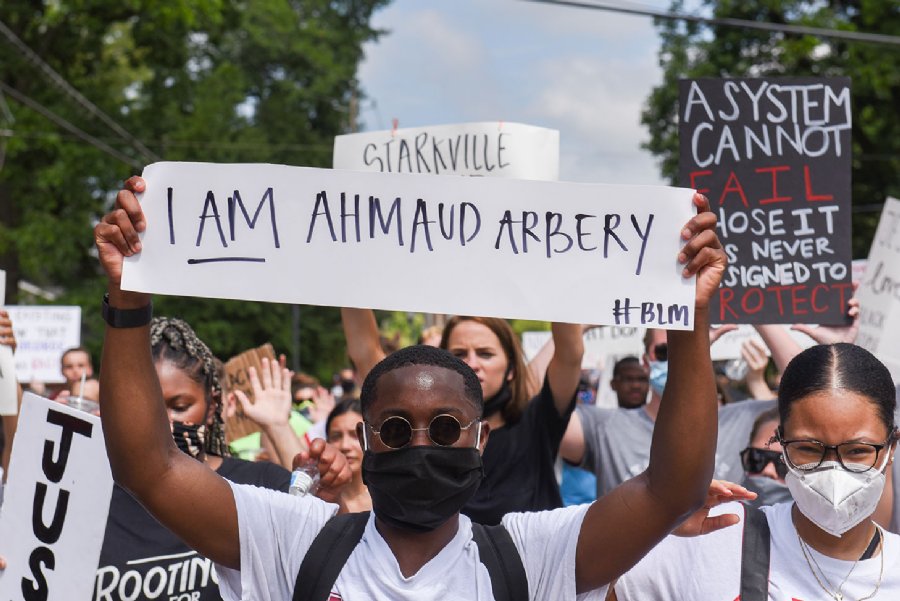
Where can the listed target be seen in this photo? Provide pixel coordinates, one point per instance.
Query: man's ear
(485, 434)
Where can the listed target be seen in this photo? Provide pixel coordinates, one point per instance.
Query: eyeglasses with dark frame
(444, 430)
(808, 454)
(755, 461)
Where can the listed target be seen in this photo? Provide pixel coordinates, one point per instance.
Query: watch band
(126, 318)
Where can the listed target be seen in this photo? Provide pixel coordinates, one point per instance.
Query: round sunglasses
(444, 430)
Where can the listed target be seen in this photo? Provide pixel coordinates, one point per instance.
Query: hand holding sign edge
(117, 237)
(702, 255)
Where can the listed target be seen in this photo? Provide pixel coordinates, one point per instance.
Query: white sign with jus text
(8, 391)
(56, 504)
(43, 333)
(581, 253)
(493, 149)
(879, 291)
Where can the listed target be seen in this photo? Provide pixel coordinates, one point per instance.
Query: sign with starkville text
(468, 245)
(879, 291)
(44, 333)
(490, 149)
(773, 157)
(56, 504)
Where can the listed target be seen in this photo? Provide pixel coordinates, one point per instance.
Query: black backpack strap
(755, 551)
(327, 555)
(501, 558)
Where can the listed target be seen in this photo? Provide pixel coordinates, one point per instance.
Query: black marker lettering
(211, 203)
(437, 155)
(644, 236)
(345, 214)
(487, 164)
(552, 231)
(321, 198)
(375, 210)
(38, 591)
(235, 202)
(387, 153)
(506, 222)
(420, 158)
(70, 425)
(448, 235)
(462, 222)
(609, 233)
(454, 152)
(48, 534)
(171, 223)
(376, 158)
(421, 211)
(404, 153)
(500, 149)
(527, 229)
(475, 152)
(579, 234)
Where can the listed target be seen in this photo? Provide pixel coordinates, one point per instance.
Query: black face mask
(190, 438)
(419, 488)
(499, 401)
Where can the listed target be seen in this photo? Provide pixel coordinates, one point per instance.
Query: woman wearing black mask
(526, 429)
(140, 558)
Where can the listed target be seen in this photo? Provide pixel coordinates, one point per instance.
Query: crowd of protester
(456, 469)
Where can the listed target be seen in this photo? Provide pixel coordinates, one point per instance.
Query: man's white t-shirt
(277, 529)
(709, 567)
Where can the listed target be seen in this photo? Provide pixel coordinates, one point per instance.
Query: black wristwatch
(126, 318)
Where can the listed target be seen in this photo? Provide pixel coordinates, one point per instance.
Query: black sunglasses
(661, 351)
(444, 430)
(755, 460)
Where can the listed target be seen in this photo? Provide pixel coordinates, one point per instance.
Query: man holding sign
(422, 406)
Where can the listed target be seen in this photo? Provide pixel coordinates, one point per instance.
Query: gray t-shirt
(617, 441)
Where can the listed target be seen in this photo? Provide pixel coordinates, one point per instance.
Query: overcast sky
(584, 72)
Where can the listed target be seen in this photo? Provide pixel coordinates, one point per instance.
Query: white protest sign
(468, 245)
(599, 343)
(43, 333)
(879, 292)
(728, 346)
(56, 504)
(493, 149)
(9, 402)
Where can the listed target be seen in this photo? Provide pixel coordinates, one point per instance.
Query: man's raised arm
(635, 516)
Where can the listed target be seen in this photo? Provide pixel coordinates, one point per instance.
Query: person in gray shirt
(614, 443)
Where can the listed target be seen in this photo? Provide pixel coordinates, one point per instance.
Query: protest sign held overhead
(56, 503)
(262, 232)
(773, 156)
(492, 149)
(879, 291)
(44, 333)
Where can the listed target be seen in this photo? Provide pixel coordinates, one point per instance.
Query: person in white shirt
(424, 434)
(837, 434)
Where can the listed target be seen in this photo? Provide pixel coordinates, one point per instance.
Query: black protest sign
(773, 157)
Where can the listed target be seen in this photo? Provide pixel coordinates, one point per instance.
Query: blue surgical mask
(659, 372)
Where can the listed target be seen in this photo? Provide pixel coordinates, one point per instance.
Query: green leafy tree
(200, 80)
(691, 50)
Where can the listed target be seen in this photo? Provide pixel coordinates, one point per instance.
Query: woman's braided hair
(173, 340)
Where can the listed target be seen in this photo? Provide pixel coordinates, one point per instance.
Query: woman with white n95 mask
(837, 435)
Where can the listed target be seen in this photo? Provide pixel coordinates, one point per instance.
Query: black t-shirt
(141, 560)
(519, 463)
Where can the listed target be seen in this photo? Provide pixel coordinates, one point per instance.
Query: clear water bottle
(305, 479)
